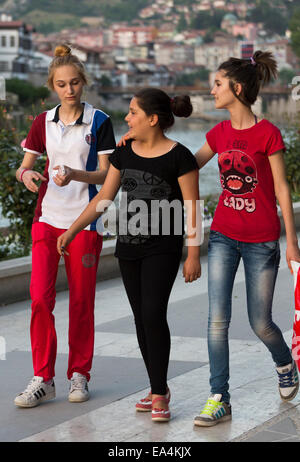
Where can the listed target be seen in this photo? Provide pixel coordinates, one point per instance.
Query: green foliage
(274, 19)
(17, 202)
(59, 15)
(192, 78)
(124, 10)
(79, 8)
(292, 160)
(208, 19)
(182, 24)
(294, 27)
(105, 81)
(27, 93)
(286, 75)
(210, 204)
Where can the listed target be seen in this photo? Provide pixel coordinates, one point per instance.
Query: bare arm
(95, 177)
(283, 196)
(95, 208)
(189, 185)
(204, 155)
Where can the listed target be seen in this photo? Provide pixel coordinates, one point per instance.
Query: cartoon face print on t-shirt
(237, 172)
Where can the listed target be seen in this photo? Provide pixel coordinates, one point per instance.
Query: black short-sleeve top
(151, 206)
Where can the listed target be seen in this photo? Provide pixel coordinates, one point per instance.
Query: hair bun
(62, 50)
(181, 106)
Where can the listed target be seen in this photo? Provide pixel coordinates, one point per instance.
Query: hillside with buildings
(165, 43)
(48, 16)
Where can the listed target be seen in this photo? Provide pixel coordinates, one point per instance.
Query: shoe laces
(33, 385)
(78, 382)
(210, 407)
(286, 379)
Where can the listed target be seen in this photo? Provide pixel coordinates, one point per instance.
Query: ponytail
(252, 74)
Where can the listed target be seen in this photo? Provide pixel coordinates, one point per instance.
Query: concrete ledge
(15, 274)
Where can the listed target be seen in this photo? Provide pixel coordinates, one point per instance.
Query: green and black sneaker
(214, 412)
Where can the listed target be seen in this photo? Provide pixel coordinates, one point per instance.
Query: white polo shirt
(77, 146)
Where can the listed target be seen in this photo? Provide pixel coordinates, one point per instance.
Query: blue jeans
(261, 262)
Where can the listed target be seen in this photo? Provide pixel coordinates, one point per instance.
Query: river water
(191, 133)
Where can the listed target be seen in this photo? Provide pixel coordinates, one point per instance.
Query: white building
(16, 50)
(211, 55)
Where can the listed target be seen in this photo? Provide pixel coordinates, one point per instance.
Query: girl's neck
(241, 117)
(152, 146)
(151, 141)
(69, 114)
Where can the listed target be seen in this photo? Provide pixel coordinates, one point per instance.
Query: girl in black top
(157, 177)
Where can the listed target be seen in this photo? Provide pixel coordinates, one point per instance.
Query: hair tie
(253, 62)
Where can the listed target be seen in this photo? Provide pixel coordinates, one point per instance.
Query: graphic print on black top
(238, 172)
(145, 187)
(150, 189)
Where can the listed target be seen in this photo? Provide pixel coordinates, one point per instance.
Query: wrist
(292, 240)
(22, 173)
(193, 252)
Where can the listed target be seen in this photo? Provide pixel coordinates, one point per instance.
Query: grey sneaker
(36, 392)
(288, 381)
(79, 391)
(214, 412)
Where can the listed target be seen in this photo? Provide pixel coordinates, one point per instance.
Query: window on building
(3, 41)
(4, 66)
(12, 41)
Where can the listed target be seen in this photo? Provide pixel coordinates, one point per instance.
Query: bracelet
(25, 170)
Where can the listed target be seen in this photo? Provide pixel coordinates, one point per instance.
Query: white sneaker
(79, 391)
(36, 392)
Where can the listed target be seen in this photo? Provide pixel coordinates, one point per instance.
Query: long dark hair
(155, 101)
(251, 73)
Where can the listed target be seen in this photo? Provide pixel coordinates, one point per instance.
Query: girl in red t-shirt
(246, 225)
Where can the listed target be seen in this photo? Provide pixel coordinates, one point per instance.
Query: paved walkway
(119, 378)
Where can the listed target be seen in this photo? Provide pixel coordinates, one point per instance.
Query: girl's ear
(238, 88)
(153, 120)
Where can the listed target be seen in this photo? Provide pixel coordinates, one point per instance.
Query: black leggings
(148, 283)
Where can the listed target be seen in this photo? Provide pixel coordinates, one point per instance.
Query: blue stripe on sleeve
(92, 161)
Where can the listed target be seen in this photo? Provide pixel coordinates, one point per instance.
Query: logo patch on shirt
(237, 172)
(90, 138)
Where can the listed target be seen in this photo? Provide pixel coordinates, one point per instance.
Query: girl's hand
(292, 253)
(63, 176)
(63, 241)
(191, 269)
(123, 140)
(29, 177)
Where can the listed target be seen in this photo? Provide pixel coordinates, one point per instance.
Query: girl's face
(138, 121)
(222, 92)
(68, 85)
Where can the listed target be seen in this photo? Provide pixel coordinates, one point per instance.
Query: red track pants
(81, 267)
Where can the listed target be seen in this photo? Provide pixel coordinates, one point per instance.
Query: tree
(294, 27)
(182, 24)
(286, 75)
(27, 93)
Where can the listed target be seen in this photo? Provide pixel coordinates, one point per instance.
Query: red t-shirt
(247, 208)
